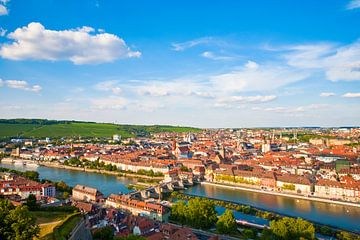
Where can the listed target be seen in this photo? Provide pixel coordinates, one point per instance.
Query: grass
(48, 221)
(46, 230)
(43, 217)
(83, 129)
(55, 225)
(62, 231)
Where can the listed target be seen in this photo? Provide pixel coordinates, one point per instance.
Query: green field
(29, 128)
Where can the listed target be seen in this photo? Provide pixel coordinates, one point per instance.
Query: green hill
(41, 128)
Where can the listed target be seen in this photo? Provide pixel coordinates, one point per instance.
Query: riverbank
(283, 194)
(82, 169)
(90, 170)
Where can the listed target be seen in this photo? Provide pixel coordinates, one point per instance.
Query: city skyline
(229, 64)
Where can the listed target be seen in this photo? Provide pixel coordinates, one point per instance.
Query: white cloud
(351, 95)
(344, 64)
(295, 109)
(80, 46)
(339, 63)
(307, 55)
(2, 32)
(111, 85)
(180, 87)
(196, 42)
(327, 94)
(112, 102)
(148, 106)
(256, 77)
(3, 8)
(20, 84)
(353, 4)
(247, 99)
(213, 56)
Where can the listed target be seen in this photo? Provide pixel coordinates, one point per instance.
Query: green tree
(16, 223)
(31, 203)
(130, 237)
(290, 228)
(201, 213)
(184, 169)
(178, 212)
(33, 175)
(346, 236)
(105, 233)
(198, 213)
(325, 230)
(248, 234)
(226, 223)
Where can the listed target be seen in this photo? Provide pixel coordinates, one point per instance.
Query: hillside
(41, 128)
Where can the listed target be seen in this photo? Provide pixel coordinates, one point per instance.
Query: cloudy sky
(198, 63)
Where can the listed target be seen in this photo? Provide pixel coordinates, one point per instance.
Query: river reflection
(330, 214)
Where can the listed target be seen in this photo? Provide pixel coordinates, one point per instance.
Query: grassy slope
(47, 217)
(48, 221)
(83, 129)
(64, 229)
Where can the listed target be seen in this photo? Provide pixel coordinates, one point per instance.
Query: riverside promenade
(351, 204)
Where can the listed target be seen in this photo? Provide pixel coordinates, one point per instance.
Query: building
(48, 190)
(139, 208)
(293, 183)
(87, 194)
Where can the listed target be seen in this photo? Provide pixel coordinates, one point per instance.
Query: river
(107, 184)
(329, 214)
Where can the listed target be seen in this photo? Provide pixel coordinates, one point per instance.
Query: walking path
(283, 194)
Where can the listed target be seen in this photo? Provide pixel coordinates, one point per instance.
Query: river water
(324, 213)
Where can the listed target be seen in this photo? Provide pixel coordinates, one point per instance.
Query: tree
(16, 223)
(198, 213)
(201, 213)
(105, 233)
(325, 230)
(290, 228)
(346, 236)
(31, 203)
(5, 208)
(66, 195)
(226, 223)
(130, 237)
(33, 175)
(184, 169)
(248, 234)
(178, 212)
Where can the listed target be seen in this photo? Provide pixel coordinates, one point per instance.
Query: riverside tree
(291, 228)
(198, 213)
(226, 223)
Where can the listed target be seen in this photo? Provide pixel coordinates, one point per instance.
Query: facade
(48, 190)
(139, 208)
(293, 183)
(86, 194)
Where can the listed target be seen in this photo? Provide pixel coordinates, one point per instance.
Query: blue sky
(198, 63)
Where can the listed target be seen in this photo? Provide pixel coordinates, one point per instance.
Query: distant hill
(41, 128)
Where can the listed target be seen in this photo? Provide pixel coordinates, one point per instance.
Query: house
(347, 189)
(177, 233)
(48, 190)
(293, 183)
(139, 208)
(328, 189)
(87, 194)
